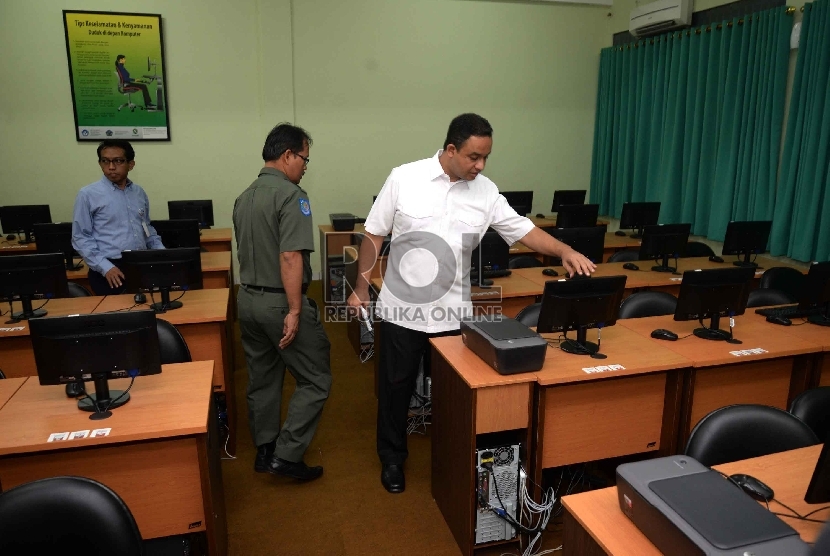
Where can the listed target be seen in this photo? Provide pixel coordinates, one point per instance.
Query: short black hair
(119, 57)
(464, 126)
(129, 153)
(284, 137)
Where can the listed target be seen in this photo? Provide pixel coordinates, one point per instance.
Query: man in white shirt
(437, 210)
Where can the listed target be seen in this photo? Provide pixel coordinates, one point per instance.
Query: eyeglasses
(116, 161)
(305, 159)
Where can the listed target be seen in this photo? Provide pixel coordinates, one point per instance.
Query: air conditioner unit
(661, 16)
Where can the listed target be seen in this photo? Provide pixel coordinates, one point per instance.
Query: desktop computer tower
(504, 477)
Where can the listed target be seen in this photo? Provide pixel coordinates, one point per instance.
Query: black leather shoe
(298, 470)
(264, 454)
(392, 477)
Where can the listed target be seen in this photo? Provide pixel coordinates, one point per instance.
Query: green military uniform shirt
(271, 217)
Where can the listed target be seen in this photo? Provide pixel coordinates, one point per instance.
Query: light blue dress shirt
(108, 220)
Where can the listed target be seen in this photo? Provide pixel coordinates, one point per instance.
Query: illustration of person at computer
(128, 81)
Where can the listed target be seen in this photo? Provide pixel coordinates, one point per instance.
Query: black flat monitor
(201, 210)
(20, 219)
(23, 277)
(818, 492)
(568, 197)
(747, 239)
(57, 238)
(589, 241)
(580, 305)
(163, 270)
(520, 201)
(491, 257)
(178, 233)
(96, 348)
(664, 241)
(577, 216)
(636, 216)
(712, 294)
(815, 293)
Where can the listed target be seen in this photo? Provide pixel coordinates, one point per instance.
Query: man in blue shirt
(112, 215)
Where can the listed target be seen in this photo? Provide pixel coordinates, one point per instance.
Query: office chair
(785, 279)
(524, 261)
(625, 256)
(2, 374)
(127, 90)
(698, 249)
(739, 432)
(529, 316)
(647, 304)
(813, 407)
(172, 347)
(766, 297)
(77, 290)
(69, 516)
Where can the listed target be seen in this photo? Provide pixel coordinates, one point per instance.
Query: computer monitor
(178, 233)
(815, 293)
(162, 270)
(746, 238)
(664, 241)
(818, 492)
(491, 257)
(580, 305)
(712, 294)
(20, 219)
(589, 241)
(567, 197)
(577, 216)
(636, 216)
(22, 277)
(96, 348)
(520, 201)
(57, 238)
(200, 210)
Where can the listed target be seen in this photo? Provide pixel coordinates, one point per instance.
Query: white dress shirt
(435, 226)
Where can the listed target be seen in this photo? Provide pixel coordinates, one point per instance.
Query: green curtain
(801, 225)
(694, 119)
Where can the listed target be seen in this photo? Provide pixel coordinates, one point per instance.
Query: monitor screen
(200, 210)
(567, 197)
(163, 270)
(96, 347)
(178, 233)
(57, 238)
(712, 294)
(664, 241)
(20, 219)
(636, 216)
(580, 305)
(23, 277)
(520, 201)
(589, 241)
(818, 492)
(746, 238)
(577, 216)
(492, 255)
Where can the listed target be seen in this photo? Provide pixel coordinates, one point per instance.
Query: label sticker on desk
(58, 436)
(745, 352)
(676, 279)
(77, 435)
(13, 329)
(100, 432)
(603, 369)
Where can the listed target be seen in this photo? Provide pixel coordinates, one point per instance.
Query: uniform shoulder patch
(305, 208)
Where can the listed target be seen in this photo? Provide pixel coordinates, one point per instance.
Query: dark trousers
(99, 284)
(401, 350)
(144, 92)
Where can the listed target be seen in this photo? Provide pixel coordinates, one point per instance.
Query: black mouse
(784, 321)
(74, 389)
(11, 237)
(540, 215)
(550, 272)
(619, 233)
(663, 334)
(715, 259)
(140, 298)
(753, 487)
(577, 276)
(631, 266)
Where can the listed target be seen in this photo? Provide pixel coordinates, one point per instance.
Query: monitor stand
(822, 319)
(70, 263)
(665, 266)
(166, 304)
(27, 238)
(103, 399)
(28, 312)
(715, 333)
(638, 234)
(580, 346)
(746, 262)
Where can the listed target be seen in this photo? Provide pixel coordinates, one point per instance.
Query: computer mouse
(715, 259)
(783, 321)
(619, 233)
(550, 272)
(11, 237)
(140, 298)
(577, 276)
(631, 266)
(74, 389)
(663, 334)
(753, 487)
(540, 215)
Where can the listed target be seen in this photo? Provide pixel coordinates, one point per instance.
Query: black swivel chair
(698, 249)
(785, 279)
(529, 316)
(172, 347)
(767, 297)
(813, 407)
(739, 432)
(68, 516)
(647, 304)
(625, 256)
(77, 290)
(524, 261)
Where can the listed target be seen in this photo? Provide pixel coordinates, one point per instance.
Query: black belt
(266, 289)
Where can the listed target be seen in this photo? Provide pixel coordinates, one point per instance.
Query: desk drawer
(502, 408)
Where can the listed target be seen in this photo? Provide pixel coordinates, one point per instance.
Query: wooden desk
(216, 239)
(594, 524)
(14, 247)
(8, 387)
(161, 457)
(612, 244)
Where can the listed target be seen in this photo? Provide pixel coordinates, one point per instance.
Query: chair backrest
(625, 256)
(172, 346)
(524, 261)
(77, 290)
(647, 304)
(739, 432)
(529, 316)
(765, 297)
(49, 516)
(698, 249)
(813, 407)
(785, 279)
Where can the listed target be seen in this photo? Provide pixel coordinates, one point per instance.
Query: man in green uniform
(280, 326)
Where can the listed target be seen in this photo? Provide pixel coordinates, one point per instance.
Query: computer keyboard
(493, 273)
(789, 311)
